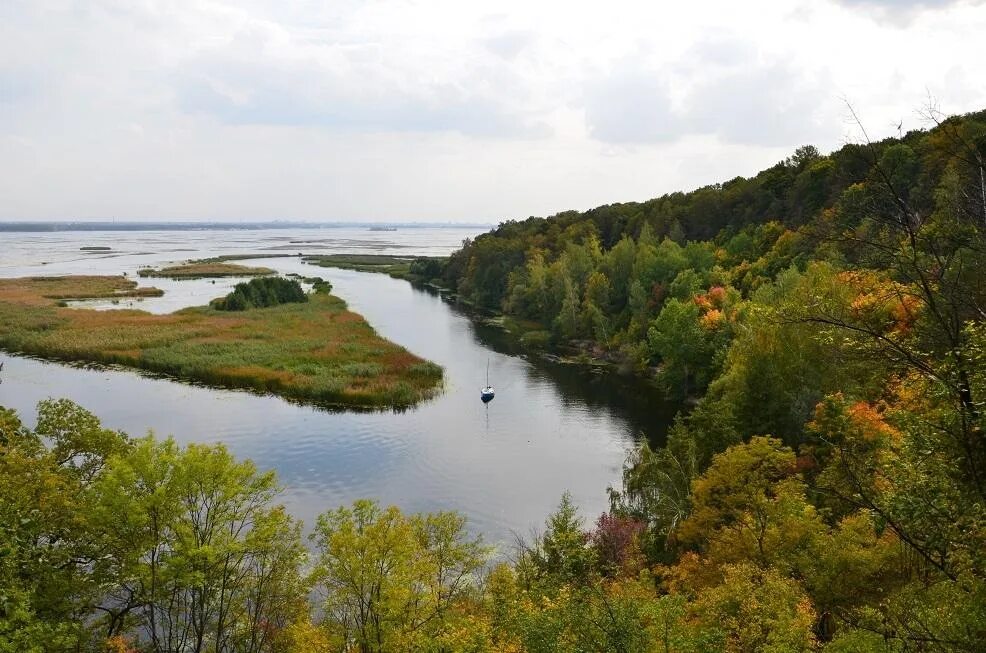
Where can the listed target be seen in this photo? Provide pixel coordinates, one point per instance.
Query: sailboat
(487, 393)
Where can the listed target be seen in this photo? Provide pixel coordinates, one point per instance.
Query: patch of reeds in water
(317, 351)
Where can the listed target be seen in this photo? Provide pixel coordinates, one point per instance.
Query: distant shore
(133, 225)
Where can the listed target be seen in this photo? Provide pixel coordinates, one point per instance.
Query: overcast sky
(461, 110)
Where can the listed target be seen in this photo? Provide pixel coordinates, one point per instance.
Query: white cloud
(632, 106)
(902, 12)
(723, 87)
(406, 109)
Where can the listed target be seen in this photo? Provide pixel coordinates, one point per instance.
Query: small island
(314, 351)
(205, 270)
(31, 290)
(412, 268)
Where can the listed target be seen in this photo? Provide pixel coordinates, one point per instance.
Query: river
(551, 428)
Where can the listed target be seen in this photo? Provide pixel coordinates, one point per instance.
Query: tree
(560, 556)
(657, 485)
(392, 582)
(741, 480)
(568, 323)
(261, 293)
(595, 307)
(936, 255)
(617, 264)
(756, 610)
(683, 346)
(778, 367)
(197, 556)
(40, 596)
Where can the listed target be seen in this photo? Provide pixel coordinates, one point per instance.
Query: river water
(551, 428)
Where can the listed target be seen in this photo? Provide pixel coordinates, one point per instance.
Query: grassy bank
(205, 271)
(40, 290)
(317, 352)
(395, 266)
(411, 268)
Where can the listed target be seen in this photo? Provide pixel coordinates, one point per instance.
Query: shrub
(536, 339)
(261, 293)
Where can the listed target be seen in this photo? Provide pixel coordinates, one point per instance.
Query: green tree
(617, 264)
(682, 345)
(198, 557)
(39, 597)
(392, 582)
(560, 556)
(568, 324)
(657, 485)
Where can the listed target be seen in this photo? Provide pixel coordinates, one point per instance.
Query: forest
(824, 488)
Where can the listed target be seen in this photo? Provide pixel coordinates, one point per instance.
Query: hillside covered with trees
(825, 492)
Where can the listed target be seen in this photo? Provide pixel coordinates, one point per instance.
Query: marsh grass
(240, 257)
(317, 352)
(38, 290)
(396, 266)
(416, 269)
(205, 270)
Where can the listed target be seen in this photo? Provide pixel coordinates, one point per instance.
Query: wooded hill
(827, 492)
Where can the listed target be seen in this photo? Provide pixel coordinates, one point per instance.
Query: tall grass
(316, 352)
(201, 270)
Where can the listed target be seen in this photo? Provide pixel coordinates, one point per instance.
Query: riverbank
(417, 269)
(316, 352)
(530, 335)
(424, 272)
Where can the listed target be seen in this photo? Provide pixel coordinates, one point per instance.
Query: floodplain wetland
(316, 351)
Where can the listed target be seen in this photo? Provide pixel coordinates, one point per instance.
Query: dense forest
(825, 491)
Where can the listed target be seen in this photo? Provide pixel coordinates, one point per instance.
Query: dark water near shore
(551, 428)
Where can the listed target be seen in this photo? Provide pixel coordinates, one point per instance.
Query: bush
(261, 293)
(536, 339)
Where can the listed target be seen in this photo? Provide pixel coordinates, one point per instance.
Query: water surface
(551, 428)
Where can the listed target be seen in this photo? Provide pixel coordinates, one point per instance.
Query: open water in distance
(505, 464)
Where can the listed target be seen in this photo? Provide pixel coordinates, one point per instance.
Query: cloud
(275, 104)
(718, 87)
(770, 105)
(510, 43)
(289, 101)
(16, 86)
(267, 74)
(632, 107)
(441, 109)
(903, 5)
(901, 13)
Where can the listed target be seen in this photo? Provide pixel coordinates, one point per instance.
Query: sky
(446, 110)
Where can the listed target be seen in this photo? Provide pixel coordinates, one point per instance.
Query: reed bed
(316, 352)
(395, 266)
(202, 270)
